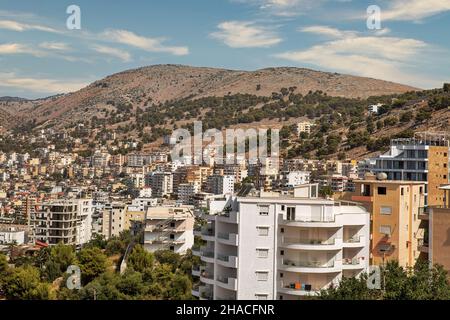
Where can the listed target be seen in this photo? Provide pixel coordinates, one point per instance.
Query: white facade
(169, 228)
(12, 235)
(186, 191)
(221, 185)
(161, 183)
(84, 228)
(297, 178)
(142, 204)
(281, 247)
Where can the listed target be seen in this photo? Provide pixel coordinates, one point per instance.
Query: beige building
(169, 228)
(438, 244)
(113, 222)
(395, 222)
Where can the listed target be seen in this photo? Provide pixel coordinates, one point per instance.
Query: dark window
(402, 191)
(382, 190)
(281, 275)
(282, 253)
(282, 230)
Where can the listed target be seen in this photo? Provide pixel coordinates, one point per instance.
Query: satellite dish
(382, 176)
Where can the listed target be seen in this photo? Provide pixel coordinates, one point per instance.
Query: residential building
(113, 220)
(270, 246)
(220, 185)
(55, 222)
(395, 219)
(84, 224)
(437, 227)
(161, 183)
(422, 158)
(169, 228)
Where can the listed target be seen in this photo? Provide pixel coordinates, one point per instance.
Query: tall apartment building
(86, 210)
(396, 232)
(422, 158)
(55, 222)
(113, 219)
(169, 228)
(219, 184)
(186, 192)
(161, 183)
(272, 246)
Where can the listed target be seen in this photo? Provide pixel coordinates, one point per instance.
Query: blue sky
(39, 56)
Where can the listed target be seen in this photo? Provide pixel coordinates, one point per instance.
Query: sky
(41, 56)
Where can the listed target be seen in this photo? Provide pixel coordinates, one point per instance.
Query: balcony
(206, 233)
(196, 270)
(227, 283)
(353, 263)
(206, 295)
(311, 244)
(311, 266)
(423, 246)
(227, 261)
(207, 277)
(207, 256)
(228, 217)
(196, 291)
(424, 214)
(355, 242)
(310, 222)
(231, 239)
(298, 289)
(196, 251)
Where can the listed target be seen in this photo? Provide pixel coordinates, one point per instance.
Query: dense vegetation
(162, 275)
(419, 283)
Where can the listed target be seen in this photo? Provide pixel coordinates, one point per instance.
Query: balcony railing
(309, 264)
(208, 254)
(351, 261)
(354, 239)
(323, 242)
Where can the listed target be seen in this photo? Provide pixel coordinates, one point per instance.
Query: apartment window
(291, 213)
(172, 224)
(282, 230)
(263, 210)
(386, 210)
(172, 248)
(281, 252)
(261, 296)
(386, 230)
(281, 275)
(382, 190)
(402, 191)
(262, 253)
(283, 207)
(172, 237)
(263, 231)
(262, 275)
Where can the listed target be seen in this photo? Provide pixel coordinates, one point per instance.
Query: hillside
(145, 104)
(161, 83)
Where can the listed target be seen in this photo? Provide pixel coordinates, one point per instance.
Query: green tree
(140, 259)
(24, 283)
(92, 262)
(62, 255)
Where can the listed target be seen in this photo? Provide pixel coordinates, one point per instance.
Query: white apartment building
(221, 185)
(169, 228)
(141, 204)
(84, 225)
(113, 220)
(11, 234)
(271, 246)
(55, 222)
(295, 178)
(186, 192)
(304, 127)
(161, 183)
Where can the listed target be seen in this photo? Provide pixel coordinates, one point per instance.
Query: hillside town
(256, 232)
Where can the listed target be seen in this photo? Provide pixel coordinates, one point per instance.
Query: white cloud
(379, 57)
(245, 34)
(58, 46)
(144, 43)
(114, 52)
(39, 85)
(328, 31)
(414, 9)
(20, 27)
(17, 48)
(286, 8)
